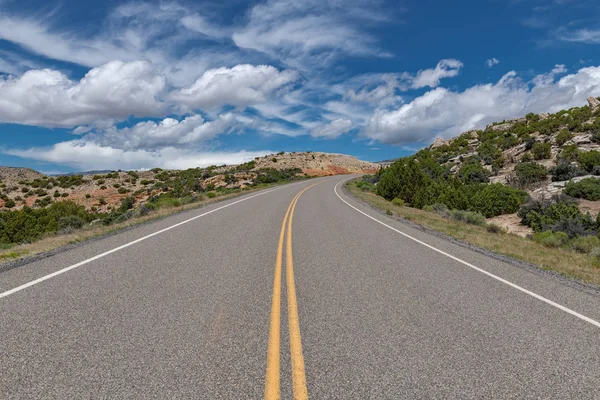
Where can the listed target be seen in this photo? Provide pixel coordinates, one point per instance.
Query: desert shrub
(103, 187)
(565, 171)
(529, 173)
(469, 217)
(589, 159)
(88, 196)
(584, 244)
(122, 190)
(211, 195)
(398, 202)
(494, 228)
(541, 151)
(133, 174)
(563, 137)
(551, 239)
(569, 153)
(126, 204)
(116, 185)
(70, 221)
(10, 203)
(365, 186)
(29, 224)
(560, 214)
(101, 201)
(488, 152)
(495, 199)
(145, 182)
(56, 194)
(64, 195)
(274, 159)
(373, 179)
(100, 181)
(441, 209)
(588, 188)
(474, 173)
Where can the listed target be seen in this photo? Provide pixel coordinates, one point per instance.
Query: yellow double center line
(273, 364)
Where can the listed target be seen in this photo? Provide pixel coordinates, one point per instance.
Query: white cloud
(83, 155)
(333, 129)
(445, 113)
(49, 98)
(431, 77)
(491, 62)
(308, 32)
(240, 86)
(584, 35)
(169, 132)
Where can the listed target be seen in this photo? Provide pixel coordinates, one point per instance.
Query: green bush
(565, 171)
(494, 228)
(398, 202)
(558, 215)
(211, 195)
(64, 195)
(474, 173)
(588, 160)
(541, 151)
(551, 239)
(584, 244)
(495, 199)
(10, 203)
(563, 137)
(588, 188)
(468, 217)
(529, 173)
(569, 153)
(70, 221)
(122, 190)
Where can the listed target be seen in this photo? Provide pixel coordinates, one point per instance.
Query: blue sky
(132, 85)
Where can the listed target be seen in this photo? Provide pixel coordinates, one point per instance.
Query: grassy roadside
(564, 261)
(51, 242)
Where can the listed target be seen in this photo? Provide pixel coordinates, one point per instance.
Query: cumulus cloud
(84, 155)
(491, 62)
(333, 129)
(445, 113)
(49, 98)
(240, 86)
(169, 132)
(431, 77)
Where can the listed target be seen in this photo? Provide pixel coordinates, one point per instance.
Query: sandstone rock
(544, 116)
(594, 103)
(502, 127)
(439, 142)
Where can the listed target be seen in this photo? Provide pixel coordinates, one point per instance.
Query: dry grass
(564, 261)
(52, 242)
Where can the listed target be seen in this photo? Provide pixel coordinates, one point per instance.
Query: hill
(102, 192)
(525, 164)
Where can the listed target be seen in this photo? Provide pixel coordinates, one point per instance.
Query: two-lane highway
(293, 292)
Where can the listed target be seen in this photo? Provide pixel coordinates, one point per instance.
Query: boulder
(439, 142)
(594, 103)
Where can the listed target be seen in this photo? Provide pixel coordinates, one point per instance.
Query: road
(222, 303)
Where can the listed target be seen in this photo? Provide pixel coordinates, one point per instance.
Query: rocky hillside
(318, 164)
(539, 153)
(102, 192)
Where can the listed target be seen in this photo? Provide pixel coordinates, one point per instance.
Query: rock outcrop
(594, 103)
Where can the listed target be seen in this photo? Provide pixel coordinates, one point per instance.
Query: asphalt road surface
(222, 303)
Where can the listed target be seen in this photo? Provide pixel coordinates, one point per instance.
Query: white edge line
(537, 296)
(89, 260)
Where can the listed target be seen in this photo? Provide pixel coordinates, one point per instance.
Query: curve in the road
(528, 292)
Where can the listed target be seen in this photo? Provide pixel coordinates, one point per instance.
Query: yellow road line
(272, 378)
(298, 376)
(272, 385)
